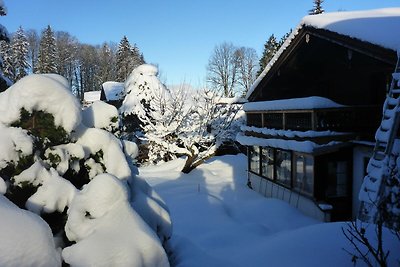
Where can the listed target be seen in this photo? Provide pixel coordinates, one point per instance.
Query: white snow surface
(14, 143)
(91, 96)
(3, 186)
(219, 221)
(100, 115)
(107, 230)
(374, 26)
(312, 102)
(26, 240)
(113, 90)
(46, 92)
(299, 146)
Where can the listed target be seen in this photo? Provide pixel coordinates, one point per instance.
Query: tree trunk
(191, 162)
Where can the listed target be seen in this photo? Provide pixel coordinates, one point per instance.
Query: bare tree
(247, 60)
(222, 69)
(34, 40)
(66, 46)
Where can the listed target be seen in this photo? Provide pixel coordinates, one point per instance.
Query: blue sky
(179, 35)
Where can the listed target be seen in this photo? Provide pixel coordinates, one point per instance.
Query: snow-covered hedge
(65, 165)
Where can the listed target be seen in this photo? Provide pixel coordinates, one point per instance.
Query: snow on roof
(91, 96)
(376, 26)
(231, 100)
(113, 90)
(313, 102)
(299, 146)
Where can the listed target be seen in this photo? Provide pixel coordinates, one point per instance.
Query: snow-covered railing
(362, 119)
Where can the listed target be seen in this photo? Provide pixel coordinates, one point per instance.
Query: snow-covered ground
(218, 221)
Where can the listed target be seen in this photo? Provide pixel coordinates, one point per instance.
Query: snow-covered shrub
(106, 229)
(177, 122)
(49, 156)
(102, 116)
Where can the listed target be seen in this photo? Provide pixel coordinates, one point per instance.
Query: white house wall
(273, 190)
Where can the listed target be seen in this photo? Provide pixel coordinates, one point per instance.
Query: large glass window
(283, 163)
(337, 178)
(254, 157)
(267, 162)
(304, 175)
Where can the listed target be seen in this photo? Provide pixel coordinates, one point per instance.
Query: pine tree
(106, 64)
(270, 48)
(7, 60)
(19, 49)
(127, 59)
(317, 9)
(47, 57)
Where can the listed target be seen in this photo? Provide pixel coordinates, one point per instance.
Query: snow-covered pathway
(218, 221)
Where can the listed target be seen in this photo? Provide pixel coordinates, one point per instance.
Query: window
(267, 162)
(254, 157)
(337, 179)
(283, 163)
(304, 175)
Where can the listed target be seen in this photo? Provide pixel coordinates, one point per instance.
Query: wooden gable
(318, 62)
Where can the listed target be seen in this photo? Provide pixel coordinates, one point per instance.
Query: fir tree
(7, 60)
(47, 57)
(19, 49)
(317, 8)
(270, 48)
(127, 59)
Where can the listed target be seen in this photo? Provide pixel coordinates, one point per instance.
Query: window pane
(337, 179)
(267, 162)
(255, 159)
(304, 178)
(283, 167)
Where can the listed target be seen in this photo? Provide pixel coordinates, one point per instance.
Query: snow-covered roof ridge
(113, 90)
(312, 102)
(377, 26)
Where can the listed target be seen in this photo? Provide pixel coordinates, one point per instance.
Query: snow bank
(3, 186)
(313, 102)
(14, 143)
(101, 115)
(46, 92)
(26, 240)
(113, 90)
(107, 231)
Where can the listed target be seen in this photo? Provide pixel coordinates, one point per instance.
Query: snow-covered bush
(58, 161)
(178, 122)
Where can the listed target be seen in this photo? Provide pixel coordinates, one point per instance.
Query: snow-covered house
(112, 93)
(313, 112)
(90, 97)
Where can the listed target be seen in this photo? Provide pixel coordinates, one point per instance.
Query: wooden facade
(320, 63)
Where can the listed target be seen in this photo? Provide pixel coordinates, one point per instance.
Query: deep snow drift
(218, 221)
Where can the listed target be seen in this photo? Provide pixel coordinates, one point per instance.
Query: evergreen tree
(127, 59)
(19, 50)
(106, 64)
(270, 48)
(47, 57)
(7, 60)
(4, 81)
(317, 8)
